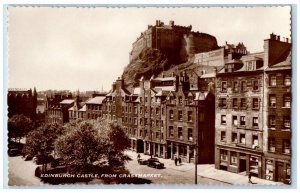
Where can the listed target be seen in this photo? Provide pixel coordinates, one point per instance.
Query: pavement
(209, 171)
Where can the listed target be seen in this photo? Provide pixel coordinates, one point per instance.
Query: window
(271, 144)
(130, 109)
(146, 99)
(287, 80)
(190, 134)
(286, 146)
(235, 87)
(141, 132)
(171, 114)
(157, 123)
(141, 110)
(180, 100)
(255, 85)
(171, 131)
(286, 122)
(287, 101)
(233, 158)
(255, 104)
(255, 121)
(269, 170)
(288, 171)
(223, 136)
(272, 80)
(180, 115)
(223, 154)
(234, 137)
(135, 110)
(254, 141)
(141, 121)
(242, 138)
(235, 103)
(223, 119)
(157, 111)
(190, 119)
(272, 121)
(157, 135)
(190, 100)
(162, 111)
(234, 120)
(243, 86)
(223, 86)
(179, 133)
(222, 102)
(243, 103)
(272, 100)
(135, 121)
(242, 121)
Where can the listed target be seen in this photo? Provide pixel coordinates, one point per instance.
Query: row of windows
(286, 145)
(242, 86)
(286, 100)
(180, 133)
(239, 103)
(286, 122)
(129, 120)
(180, 115)
(241, 138)
(273, 81)
(129, 109)
(242, 121)
(94, 107)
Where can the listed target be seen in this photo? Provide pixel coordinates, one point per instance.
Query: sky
(73, 48)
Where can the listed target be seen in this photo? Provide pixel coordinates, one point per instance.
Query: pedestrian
(176, 161)
(179, 160)
(249, 177)
(138, 156)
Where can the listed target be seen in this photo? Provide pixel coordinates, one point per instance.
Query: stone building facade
(253, 119)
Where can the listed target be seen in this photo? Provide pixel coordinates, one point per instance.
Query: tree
(85, 142)
(18, 126)
(41, 140)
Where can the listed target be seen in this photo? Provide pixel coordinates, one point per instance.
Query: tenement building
(253, 113)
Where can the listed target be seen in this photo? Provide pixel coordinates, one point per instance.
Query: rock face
(149, 62)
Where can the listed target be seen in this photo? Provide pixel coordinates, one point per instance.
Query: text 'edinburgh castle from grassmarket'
(212, 104)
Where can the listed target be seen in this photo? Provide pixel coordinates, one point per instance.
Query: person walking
(138, 156)
(179, 160)
(249, 177)
(176, 161)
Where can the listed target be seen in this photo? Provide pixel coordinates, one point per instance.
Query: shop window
(223, 136)
(272, 100)
(233, 158)
(271, 145)
(255, 103)
(242, 138)
(179, 132)
(223, 154)
(269, 170)
(190, 134)
(287, 101)
(272, 80)
(253, 164)
(223, 119)
(287, 80)
(242, 121)
(234, 137)
(180, 115)
(255, 121)
(171, 131)
(286, 146)
(235, 103)
(288, 171)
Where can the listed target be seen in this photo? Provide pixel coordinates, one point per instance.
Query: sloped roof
(95, 100)
(67, 101)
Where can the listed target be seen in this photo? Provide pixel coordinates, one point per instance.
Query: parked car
(154, 162)
(14, 152)
(142, 161)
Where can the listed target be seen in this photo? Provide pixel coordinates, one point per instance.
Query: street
(21, 172)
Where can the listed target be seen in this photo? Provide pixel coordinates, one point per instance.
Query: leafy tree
(18, 126)
(41, 140)
(85, 142)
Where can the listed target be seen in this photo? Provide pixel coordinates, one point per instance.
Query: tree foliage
(41, 139)
(85, 142)
(18, 126)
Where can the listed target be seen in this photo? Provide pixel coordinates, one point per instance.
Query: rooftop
(96, 100)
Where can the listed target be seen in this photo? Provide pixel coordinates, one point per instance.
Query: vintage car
(154, 162)
(142, 161)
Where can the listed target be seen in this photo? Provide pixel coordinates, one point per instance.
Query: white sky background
(87, 48)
